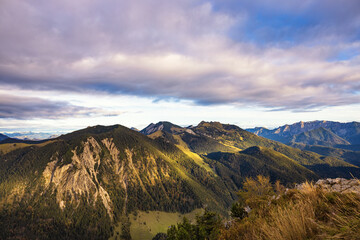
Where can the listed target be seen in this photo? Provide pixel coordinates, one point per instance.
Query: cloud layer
(16, 107)
(275, 54)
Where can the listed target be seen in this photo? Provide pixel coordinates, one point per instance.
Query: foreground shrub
(309, 213)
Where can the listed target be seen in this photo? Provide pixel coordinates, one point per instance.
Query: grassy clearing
(145, 225)
(9, 147)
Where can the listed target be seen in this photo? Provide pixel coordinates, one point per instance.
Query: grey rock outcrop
(340, 185)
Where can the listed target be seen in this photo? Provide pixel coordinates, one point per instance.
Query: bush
(238, 211)
(160, 236)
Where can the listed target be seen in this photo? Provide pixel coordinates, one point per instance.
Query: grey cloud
(86, 28)
(16, 107)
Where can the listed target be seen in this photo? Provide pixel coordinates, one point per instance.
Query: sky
(66, 65)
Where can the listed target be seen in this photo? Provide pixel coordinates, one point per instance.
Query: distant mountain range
(31, 135)
(325, 133)
(341, 140)
(84, 184)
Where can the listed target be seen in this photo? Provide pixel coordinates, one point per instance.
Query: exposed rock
(340, 185)
(79, 177)
(152, 128)
(190, 131)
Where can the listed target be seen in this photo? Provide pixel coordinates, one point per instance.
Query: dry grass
(309, 213)
(293, 222)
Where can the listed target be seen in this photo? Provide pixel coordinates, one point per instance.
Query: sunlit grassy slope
(8, 147)
(145, 225)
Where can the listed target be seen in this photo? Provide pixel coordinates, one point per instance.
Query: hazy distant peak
(32, 135)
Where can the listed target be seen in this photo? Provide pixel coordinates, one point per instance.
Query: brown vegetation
(309, 213)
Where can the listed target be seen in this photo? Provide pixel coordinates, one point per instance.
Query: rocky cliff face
(79, 177)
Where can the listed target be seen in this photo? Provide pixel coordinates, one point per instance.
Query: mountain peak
(211, 123)
(161, 126)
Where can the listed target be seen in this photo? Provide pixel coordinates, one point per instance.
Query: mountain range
(326, 132)
(30, 135)
(341, 140)
(93, 183)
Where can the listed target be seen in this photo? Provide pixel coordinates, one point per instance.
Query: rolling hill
(352, 157)
(258, 161)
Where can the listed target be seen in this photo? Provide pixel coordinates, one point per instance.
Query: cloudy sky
(68, 64)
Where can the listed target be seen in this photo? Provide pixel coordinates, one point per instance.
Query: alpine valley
(114, 182)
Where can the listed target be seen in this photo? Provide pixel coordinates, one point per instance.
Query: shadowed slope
(319, 136)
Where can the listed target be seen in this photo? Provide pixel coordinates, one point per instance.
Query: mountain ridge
(89, 180)
(116, 169)
(319, 136)
(349, 131)
(226, 137)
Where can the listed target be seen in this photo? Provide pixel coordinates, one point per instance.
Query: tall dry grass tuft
(306, 213)
(343, 218)
(293, 222)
